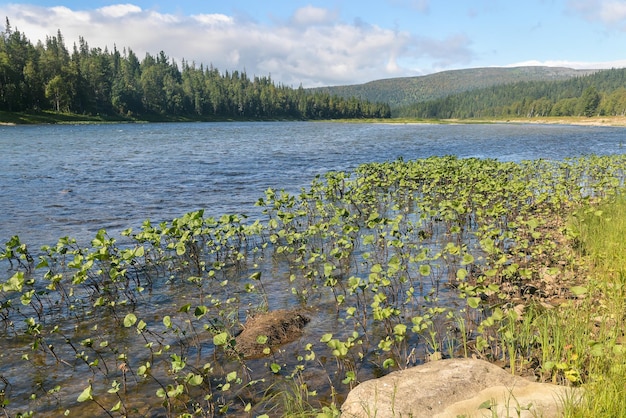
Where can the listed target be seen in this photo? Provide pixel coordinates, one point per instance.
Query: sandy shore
(572, 120)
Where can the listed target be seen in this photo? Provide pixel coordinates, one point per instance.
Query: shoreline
(615, 121)
(49, 118)
(567, 120)
(571, 120)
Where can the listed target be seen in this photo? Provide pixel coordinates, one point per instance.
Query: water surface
(75, 179)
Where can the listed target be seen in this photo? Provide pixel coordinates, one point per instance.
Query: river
(72, 180)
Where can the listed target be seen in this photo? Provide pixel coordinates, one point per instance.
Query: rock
(265, 332)
(455, 388)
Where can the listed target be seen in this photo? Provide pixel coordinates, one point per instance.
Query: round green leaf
(473, 302)
(130, 320)
(220, 339)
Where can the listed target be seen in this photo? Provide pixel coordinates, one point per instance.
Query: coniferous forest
(93, 81)
(600, 94)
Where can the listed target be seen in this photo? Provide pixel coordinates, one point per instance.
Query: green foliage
(600, 93)
(405, 91)
(92, 81)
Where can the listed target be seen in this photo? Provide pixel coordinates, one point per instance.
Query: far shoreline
(616, 121)
(51, 118)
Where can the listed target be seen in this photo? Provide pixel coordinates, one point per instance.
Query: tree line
(600, 94)
(95, 81)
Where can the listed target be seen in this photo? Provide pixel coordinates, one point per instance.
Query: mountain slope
(407, 90)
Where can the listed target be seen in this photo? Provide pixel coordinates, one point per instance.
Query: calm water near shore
(75, 179)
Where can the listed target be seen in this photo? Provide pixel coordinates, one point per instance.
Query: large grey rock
(455, 388)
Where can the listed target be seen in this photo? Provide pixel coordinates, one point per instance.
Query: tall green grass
(584, 339)
(600, 233)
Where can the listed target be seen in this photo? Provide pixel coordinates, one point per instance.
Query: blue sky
(334, 42)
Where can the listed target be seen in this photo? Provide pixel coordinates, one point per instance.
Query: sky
(337, 42)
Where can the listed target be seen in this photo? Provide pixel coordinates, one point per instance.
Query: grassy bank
(46, 117)
(578, 341)
(49, 117)
(598, 336)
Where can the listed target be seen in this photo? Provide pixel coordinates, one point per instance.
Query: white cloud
(578, 65)
(610, 12)
(213, 19)
(313, 47)
(119, 10)
(65, 13)
(310, 15)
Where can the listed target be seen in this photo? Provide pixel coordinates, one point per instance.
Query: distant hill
(398, 92)
(601, 93)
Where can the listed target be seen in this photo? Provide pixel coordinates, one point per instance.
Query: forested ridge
(95, 81)
(403, 91)
(602, 93)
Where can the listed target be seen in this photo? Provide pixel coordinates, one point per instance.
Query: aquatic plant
(395, 263)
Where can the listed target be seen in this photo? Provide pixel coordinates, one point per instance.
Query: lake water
(75, 179)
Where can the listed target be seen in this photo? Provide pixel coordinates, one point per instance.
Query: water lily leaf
(399, 329)
(86, 395)
(467, 259)
(328, 269)
(196, 380)
(220, 339)
(130, 320)
(117, 406)
(388, 363)
(473, 302)
(200, 311)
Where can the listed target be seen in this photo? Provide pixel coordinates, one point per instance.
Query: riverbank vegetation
(103, 85)
(385, 267)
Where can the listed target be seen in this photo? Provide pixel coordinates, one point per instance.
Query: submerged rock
(264, 332)
(455, 388)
